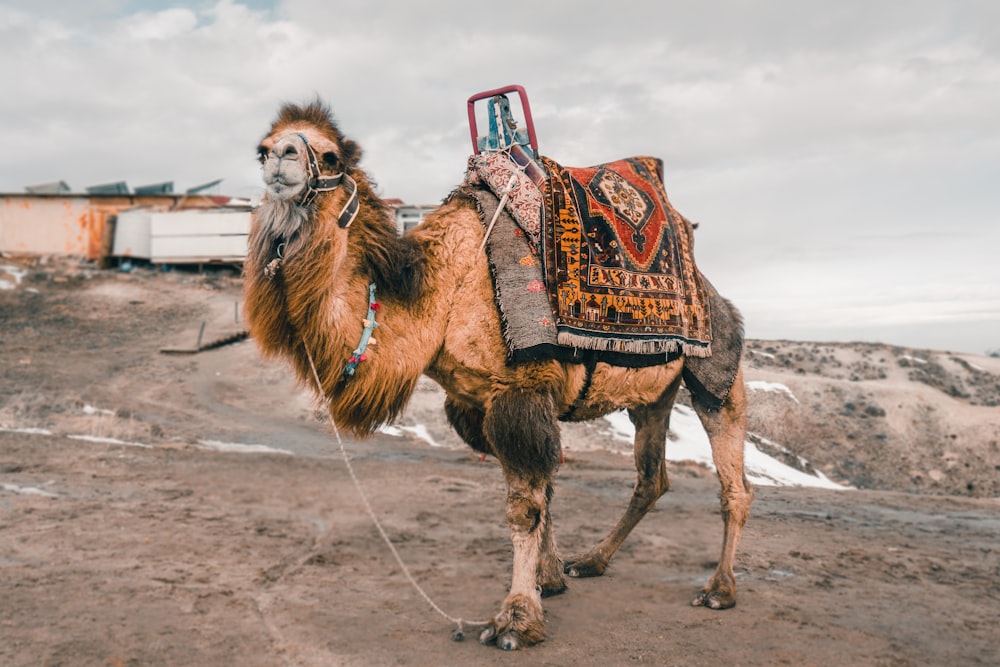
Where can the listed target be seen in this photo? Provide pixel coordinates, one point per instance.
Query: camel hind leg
(726, 430)
(651, 423)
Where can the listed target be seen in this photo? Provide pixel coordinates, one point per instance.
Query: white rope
(511, 184)
(459, 633)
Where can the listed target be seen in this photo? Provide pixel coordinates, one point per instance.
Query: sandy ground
(128, 538)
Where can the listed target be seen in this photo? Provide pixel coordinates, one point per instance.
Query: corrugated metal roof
(118, 188)
(53, 188)
(204, 186)
(164, 188)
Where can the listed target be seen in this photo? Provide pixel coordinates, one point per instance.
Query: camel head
(304, 154)
(309, 170)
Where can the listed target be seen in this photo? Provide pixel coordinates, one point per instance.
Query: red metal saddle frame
(525, 107)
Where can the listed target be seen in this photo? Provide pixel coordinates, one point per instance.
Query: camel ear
(350, 153)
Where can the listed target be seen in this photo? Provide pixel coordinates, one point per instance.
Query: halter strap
(318, 183)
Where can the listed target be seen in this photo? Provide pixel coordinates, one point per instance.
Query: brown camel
(321, 236)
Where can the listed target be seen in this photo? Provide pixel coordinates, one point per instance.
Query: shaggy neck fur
(319, 296)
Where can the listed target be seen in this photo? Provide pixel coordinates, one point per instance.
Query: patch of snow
(765, 470)
(418, 430)
(766, 355)
(28, 491)
(91, 410)
(690, 443)
(916, 360)
(781, 448)
(763, 385)
(621, 426)
(421, 432)
(108, 441)
(28, 431)
(237, 448)
(15, 272)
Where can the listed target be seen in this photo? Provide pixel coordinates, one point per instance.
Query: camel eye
(331, 160)
(261, 154)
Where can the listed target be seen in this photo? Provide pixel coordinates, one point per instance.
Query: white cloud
(858, 139)
(168, 24)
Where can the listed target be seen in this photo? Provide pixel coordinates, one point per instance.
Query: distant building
(409, 216)
(150, 223)
(54, 222)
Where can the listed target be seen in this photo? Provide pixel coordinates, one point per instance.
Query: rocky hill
(881, 416)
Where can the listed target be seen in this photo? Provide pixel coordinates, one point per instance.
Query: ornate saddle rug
(529, 326)
(526, 317)
(619, 262)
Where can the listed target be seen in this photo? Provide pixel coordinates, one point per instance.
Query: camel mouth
(292, 171)
(283, 189)
(286, 169)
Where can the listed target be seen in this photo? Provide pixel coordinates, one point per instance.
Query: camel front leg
(521, 620)
(726, 430)
(550, 579)
(522, 427)
(468, 423)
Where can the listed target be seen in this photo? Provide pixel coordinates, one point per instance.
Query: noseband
(318, 183)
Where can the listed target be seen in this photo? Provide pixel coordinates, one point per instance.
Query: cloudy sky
(843, 158)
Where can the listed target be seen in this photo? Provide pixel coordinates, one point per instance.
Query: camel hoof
(714, 600)
(518, 624)
(507, 641)
(548, 590)
(585, 566)
(551, 580)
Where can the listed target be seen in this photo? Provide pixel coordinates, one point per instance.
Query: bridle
(318, 183)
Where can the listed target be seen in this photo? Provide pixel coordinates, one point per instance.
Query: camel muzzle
(291, 170)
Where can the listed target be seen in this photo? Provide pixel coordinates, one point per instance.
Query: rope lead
(458, 634)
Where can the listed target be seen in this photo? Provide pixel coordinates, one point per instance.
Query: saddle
(589, 263)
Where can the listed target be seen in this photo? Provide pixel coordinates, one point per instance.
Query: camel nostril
(289, 151)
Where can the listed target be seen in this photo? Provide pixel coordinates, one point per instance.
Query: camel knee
(651, 488)
(523, 514)
(736, 503)
(661, 482)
